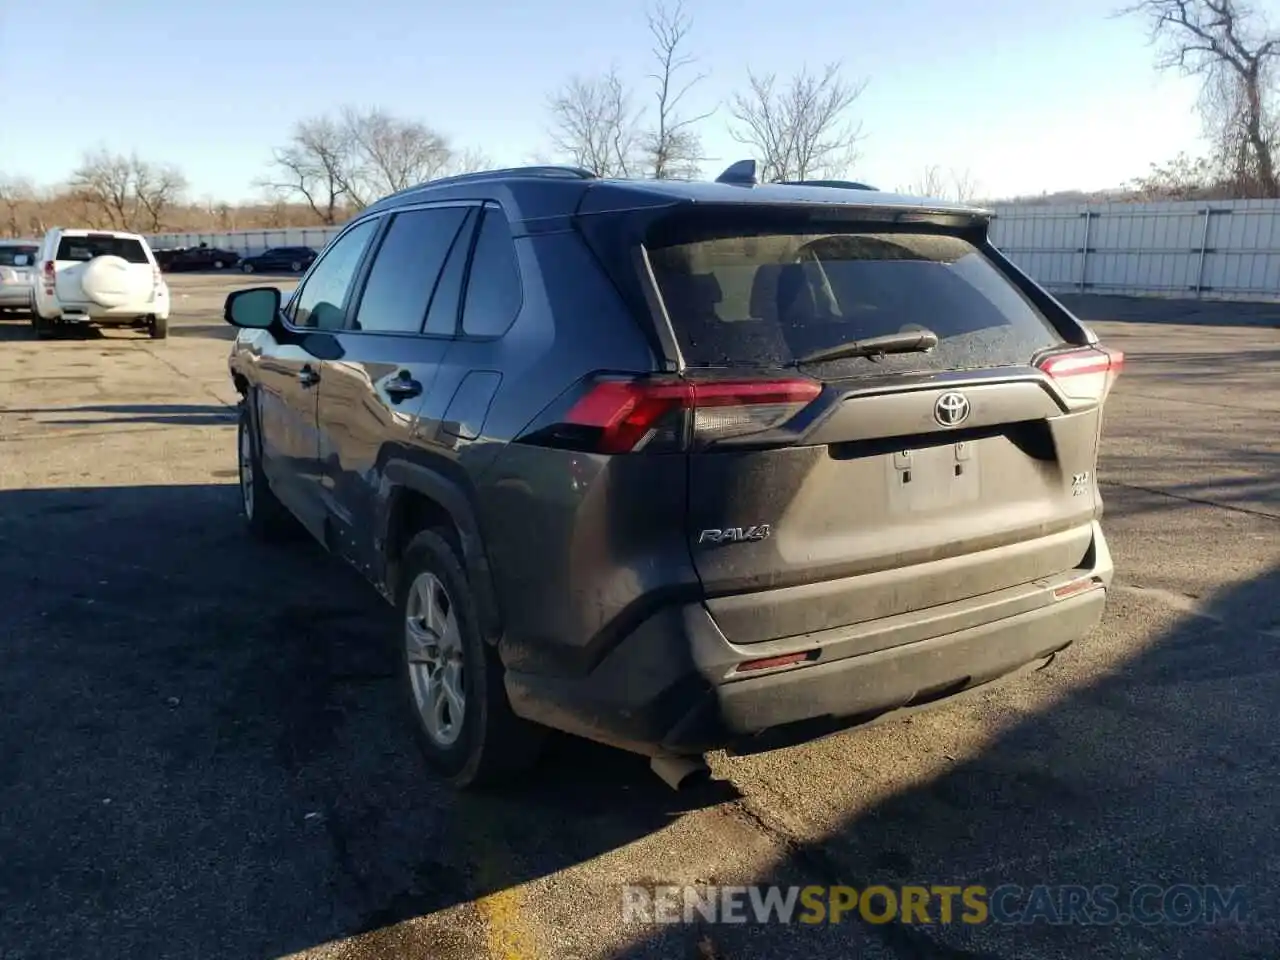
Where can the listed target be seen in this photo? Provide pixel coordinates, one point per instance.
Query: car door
(289, 372)
(391, 348)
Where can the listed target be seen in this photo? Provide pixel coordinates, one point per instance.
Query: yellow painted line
(506, 925)
(505, 932)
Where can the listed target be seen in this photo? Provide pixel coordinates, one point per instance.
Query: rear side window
(406, 269)
(493, 286)
(769, 299)
(82, 249)
(17, 256)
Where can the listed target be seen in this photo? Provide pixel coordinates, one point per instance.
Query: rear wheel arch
(416, 497)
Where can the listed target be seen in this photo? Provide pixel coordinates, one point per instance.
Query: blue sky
(1026, 95)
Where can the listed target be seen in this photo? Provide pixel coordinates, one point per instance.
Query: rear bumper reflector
(1076, 586)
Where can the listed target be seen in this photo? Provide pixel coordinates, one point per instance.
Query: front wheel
(452, 678)
(218, 264)
(158, 327)
(296, 266)
(247, 267)
(264, 514)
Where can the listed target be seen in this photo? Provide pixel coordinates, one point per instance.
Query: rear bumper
(96, 313)
(15, 297)
(671, 685)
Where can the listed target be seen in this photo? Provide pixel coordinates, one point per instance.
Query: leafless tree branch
(799, 130)
(595, 125)
(1236, 52)
(673, 147)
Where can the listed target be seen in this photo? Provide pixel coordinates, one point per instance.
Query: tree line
(797, 127)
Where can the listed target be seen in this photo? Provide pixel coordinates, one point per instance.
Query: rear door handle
(308, 377)
(402, 388)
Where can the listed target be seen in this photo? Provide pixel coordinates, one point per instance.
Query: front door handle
(308, 377)
(402, 388)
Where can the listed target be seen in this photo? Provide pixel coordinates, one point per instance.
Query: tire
(159, 328)
(43, 328)
(218, 264)
(491, 744)
(296, 266)
(266, 517)
(246, 267)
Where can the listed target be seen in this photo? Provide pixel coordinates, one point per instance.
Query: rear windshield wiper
(908, 341)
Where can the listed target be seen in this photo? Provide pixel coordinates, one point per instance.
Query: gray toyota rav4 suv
(677, 466)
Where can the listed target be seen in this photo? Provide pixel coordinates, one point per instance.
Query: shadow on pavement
(213, 331)
(172, 414)
(1213, 313)
(1162, 773)
(202, 749)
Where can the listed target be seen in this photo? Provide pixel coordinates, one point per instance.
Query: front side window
(321, 303)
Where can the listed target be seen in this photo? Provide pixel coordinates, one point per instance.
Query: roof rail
(839, 184)
(740, 174)
(551, 171)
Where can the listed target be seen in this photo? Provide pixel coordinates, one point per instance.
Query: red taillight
(631, 414)
(50, 275)
(1086, 374)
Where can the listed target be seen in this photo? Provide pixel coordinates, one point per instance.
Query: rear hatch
(825, 492)
(130, 278)
(17, 264)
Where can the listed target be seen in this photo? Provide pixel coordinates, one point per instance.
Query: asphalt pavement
(201, 754)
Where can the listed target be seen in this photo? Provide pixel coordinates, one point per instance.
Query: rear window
(9, 256)
(769, 299)
(86, 248)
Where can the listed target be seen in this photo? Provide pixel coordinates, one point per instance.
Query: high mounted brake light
(1086, 374)
(627, 416)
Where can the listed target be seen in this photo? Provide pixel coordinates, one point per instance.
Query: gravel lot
(200, 754)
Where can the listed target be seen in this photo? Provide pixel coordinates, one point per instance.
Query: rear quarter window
(82, 249)
(769, 299)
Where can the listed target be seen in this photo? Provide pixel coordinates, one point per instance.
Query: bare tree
(595, 125)
(673, 147)
(104, 182)
(1235, 51)
(391, 154)
(16, 195)
(157, 188)
(800, 130)
(318, 164)
(467, 160)
(930, 183)
(1182, 178)
(958, 185)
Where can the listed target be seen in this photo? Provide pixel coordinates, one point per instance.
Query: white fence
(1227, 249)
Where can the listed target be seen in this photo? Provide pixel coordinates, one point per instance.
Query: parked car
(17, 271)
(295, 259)
(677, 466)
(202, 257)
(102, 277)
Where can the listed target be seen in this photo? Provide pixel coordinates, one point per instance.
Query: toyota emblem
(951, 410)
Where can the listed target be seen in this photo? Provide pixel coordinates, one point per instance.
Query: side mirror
(254, 309)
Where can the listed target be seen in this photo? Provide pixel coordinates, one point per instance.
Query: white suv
(99, 276)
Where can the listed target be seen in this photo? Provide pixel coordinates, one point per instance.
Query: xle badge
(1079, 484)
